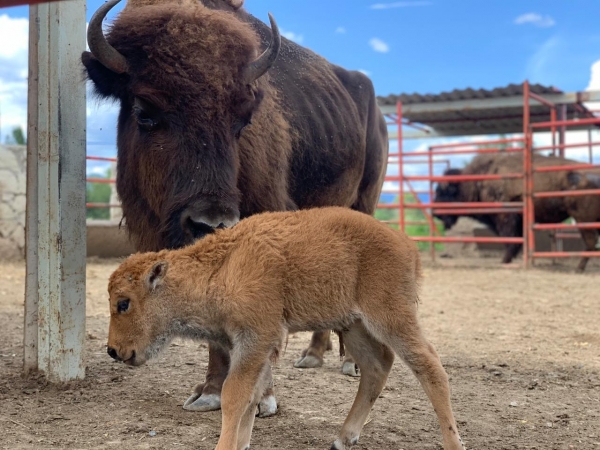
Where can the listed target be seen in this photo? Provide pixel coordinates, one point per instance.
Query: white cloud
(400, 4)
(14, 36)
(340, 30)
(365, 72)
(535, 19)
(379, 46)
(15, 32)
(594, 84)
(297, 38)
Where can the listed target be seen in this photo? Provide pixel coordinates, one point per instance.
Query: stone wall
(12, 201)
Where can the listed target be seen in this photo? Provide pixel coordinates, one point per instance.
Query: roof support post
(54, 332)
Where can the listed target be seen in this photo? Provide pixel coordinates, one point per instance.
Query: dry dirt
(522, 350)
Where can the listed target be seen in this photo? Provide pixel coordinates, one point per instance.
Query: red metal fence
(523, 145)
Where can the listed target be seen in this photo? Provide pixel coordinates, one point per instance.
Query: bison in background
(220, 119)
(547, 210)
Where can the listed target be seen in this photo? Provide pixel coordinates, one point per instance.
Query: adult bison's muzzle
(198, 219)
(198, 224)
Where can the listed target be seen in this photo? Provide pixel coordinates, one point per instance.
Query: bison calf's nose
(112, 353)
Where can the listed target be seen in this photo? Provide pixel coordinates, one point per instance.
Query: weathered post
(55, 284)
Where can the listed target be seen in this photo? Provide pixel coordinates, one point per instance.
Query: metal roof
(463, 112)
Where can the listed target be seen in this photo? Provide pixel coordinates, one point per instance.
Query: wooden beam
(55, 284)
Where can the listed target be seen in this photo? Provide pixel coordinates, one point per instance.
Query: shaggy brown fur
(245, 288)
(547, 210)
(313, 134)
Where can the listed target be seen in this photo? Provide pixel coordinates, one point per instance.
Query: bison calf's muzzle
(115, 355)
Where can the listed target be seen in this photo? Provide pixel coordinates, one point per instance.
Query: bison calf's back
(246, 287)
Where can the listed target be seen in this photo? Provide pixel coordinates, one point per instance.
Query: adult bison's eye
(146, 116)
(144, 120)
(239, 126)
(122, 306)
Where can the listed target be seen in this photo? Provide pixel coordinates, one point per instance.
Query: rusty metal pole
(553, 130)
(55, 286)
(431, 220)
(400, 167)
(527, 181)
(562, 131)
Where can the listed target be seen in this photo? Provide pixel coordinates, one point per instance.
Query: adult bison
(211, 130)
(547, 210)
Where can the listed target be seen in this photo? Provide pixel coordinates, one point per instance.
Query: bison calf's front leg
(207, 396)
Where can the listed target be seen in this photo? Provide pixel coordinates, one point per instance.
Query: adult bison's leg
(207, 396)
(510, 225)
(313, 355)
(590, 237)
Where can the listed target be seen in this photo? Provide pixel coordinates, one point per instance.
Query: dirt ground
(522, 350)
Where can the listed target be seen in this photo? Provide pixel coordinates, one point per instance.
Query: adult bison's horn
(263, 63)
(100, 48)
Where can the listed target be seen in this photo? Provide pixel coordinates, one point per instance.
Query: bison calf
(246, 287)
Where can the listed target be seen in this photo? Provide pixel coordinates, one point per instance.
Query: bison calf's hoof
(202, 403)
(308, 362)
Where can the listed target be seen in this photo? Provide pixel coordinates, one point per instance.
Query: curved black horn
(264, 62)
(102, 50)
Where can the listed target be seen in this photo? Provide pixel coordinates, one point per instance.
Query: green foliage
(411, 215)
(19, 136)
(98, 193)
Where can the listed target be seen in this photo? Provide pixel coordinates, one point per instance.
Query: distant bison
(245, 288)
(547, 210)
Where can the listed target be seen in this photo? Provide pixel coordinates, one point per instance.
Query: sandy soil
(522, 350)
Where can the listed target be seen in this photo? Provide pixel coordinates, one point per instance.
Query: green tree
(411, 215)
(19, 136)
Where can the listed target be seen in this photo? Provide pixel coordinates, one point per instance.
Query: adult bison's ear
(156, 275)
(107, 84)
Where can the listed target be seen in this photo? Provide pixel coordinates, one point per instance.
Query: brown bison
(547, 210)
(211, 130)
(246, 287)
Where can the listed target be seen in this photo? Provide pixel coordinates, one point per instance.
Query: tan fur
(246, 287)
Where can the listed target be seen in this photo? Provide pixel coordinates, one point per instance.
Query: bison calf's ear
(156, 275)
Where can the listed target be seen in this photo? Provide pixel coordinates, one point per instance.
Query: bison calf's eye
(122, 306)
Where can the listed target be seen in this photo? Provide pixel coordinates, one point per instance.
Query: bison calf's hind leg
(375, 362)
(425, 363)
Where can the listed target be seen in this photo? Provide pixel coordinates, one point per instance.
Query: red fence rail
(96, 205)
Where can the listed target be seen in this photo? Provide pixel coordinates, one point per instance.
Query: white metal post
(55, 286)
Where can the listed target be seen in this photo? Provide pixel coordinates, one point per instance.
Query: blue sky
(404, 46)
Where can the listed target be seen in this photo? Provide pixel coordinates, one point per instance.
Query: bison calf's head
(140, 319)
(447, 192)
(188, 81)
